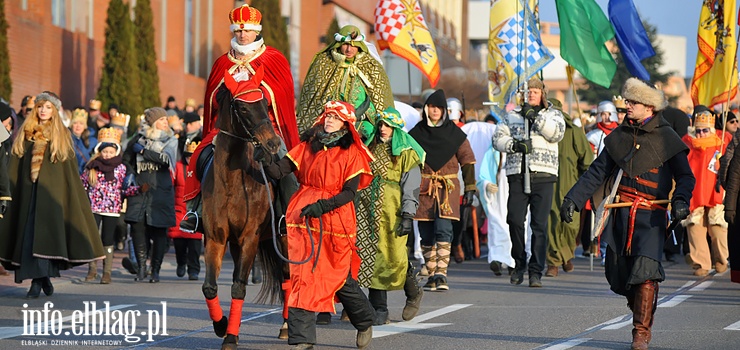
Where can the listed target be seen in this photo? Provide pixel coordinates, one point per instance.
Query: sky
(670, 17)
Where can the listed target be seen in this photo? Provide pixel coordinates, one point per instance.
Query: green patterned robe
(379, 208)
(330, 77)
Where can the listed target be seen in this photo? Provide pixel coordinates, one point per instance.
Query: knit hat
(245, 17)
(5, 111)
(79, 115)
(190, 117)
(642, 92)
(151, 115)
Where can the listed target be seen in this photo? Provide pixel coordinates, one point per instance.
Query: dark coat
(4, 159)
(65, 229)
(157, 205)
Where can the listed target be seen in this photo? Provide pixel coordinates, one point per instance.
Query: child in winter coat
(104, 179)
(188, 246)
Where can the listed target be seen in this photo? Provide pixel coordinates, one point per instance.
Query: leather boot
(141, 256)
(107, 265)
(645, 303)
(35, 289)
(413, 294)
(92, 271)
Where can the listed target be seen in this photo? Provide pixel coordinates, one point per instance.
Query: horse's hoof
(230, 342)
(283, 331)
(219, 327)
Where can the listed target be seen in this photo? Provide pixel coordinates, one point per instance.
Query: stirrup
(185, 221)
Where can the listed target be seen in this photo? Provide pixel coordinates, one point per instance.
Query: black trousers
(538, 202)
(379, 298)
(108, 230)
(141, 233)
(187, 252)
(302, 323)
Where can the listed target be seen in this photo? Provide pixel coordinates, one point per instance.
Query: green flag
(583, 31)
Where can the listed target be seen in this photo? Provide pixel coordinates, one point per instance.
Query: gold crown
(190, 148)
(95, 104)
(121, 119)
(619, 102)
(704, 118)
(79, 115)
(110, 135)
(190, 102)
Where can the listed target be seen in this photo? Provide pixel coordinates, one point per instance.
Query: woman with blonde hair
(44, 179)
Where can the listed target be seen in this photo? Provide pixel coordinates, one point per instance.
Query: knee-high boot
(643, 310)
(92, 271)
(141, 256)
(107, 265)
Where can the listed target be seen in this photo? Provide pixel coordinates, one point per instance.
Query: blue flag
(632, 39)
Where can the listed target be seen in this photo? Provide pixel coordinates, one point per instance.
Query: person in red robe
(331, 165)
(248, 53)
(706, 144)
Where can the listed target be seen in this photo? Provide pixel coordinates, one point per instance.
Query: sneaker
(189, 222)
(568, 266)
(442, 283)
(323, 318)
(516, 278)
(552, 271)
(535, 281)
(495, 266)
(181, 270)
(431, 284)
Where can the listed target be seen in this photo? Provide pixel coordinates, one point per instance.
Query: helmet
(607, 106)
(455, 108)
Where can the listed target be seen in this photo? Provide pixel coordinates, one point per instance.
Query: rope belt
(444, 182)
(638, 202)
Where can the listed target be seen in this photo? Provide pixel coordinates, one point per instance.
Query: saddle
(204, 162)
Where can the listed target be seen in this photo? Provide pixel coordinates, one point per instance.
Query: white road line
(734, 327)
(689, 283)
(12, 332)
(609, 323)
(675, 300)
(414, 325)
(701, 287)
(568, 344)
(619, 325)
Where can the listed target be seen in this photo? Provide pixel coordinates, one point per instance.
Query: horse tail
(271, 290)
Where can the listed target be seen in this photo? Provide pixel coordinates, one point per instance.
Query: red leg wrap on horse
(287, 286)
(214, 309)
(235, 316)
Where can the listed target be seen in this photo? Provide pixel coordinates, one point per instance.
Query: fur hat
(51, 97)
(639, 91)
(151, 115)
(536, 83)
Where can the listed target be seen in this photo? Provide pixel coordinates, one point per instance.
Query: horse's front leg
(243, 252)
(214, 253)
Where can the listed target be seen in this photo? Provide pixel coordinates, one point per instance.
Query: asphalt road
(480, 311)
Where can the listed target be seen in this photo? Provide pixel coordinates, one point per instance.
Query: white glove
(491, 188)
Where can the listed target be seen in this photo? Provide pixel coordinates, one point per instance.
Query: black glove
(680, 210)
(566, 210)
(314, 210)
(406, 226)
(729, 216)
(528, 112)
(524, 146)
(468, 198)
(263, 157)
(3, 206)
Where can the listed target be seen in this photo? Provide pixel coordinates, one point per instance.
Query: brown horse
(236, 202)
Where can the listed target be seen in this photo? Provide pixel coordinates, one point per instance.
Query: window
(58, 13)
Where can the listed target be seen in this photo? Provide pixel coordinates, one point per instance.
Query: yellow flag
(400, 26)
(716, 65)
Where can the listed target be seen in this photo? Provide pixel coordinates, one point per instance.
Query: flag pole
(526, 177)
(725, 108)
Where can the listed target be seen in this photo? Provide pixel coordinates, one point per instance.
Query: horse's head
(247, 112)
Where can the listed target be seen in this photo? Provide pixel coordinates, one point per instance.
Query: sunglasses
(705, 130)
(734, 121)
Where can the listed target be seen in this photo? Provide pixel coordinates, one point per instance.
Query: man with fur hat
(539, 151)
(346, 70)
(447, 151)
(248, 53)
(644, 154)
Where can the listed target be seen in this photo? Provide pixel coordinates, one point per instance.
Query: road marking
(620, 324)
(734, 327)
(415, 325)
(567, 344)
(678, 299)
(12, 332)
(701, 287)
(613, 321)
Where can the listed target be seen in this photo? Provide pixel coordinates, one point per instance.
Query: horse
(236, 203)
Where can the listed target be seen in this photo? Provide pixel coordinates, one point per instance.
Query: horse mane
(223, 99)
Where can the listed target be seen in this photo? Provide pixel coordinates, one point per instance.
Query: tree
(119, 81)
(6, 87)
(274, 31)
(594, 93)
(145, 55)
(333, 29)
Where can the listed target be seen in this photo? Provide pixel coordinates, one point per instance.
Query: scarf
(351, 69)
(248, 49)
(40, 136)
(106, 166)
(159, 141)
(605, 129)
(331, 139)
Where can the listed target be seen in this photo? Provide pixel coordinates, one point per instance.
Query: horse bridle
(250, 137)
